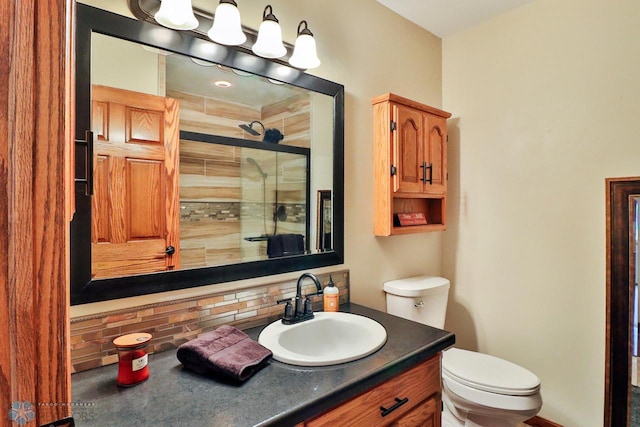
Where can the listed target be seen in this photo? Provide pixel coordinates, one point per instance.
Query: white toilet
(478, 389)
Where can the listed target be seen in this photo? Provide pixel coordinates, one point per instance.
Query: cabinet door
(435, 153)
(408, 150)
(426, 414)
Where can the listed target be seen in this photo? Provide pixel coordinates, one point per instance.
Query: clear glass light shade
(269, 43)
(305, 55)
(176, 14)
(226, 28)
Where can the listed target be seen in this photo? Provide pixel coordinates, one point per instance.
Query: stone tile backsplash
(173, 323)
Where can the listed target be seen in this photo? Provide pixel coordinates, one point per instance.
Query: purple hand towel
(227, 351)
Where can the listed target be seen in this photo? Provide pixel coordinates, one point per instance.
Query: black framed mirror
(283, 205)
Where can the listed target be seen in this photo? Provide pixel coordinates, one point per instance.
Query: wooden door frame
(618, 300)
(36, 84)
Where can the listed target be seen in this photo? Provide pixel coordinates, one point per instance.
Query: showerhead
(249, 128)
(253, 162)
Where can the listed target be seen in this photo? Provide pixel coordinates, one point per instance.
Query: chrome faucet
(301, 310)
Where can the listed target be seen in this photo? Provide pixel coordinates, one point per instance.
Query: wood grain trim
(618, 301)
(390, 97)
(541, 422)
(7, 12)
(382, 180)
(53, 130)
(172, 165)
(35, 84)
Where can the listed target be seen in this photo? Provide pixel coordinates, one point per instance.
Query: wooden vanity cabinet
(410, 399)
(410, 164)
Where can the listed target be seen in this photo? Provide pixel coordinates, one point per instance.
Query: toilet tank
(422, 299)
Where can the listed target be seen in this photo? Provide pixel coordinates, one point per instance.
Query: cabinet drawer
(426, 414)
(411, 387)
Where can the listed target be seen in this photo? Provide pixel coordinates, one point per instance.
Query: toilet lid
(417, 286)
(488, 373)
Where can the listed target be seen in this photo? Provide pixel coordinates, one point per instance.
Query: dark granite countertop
(279, 394)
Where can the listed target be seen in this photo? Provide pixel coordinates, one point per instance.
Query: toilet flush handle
(419, 304)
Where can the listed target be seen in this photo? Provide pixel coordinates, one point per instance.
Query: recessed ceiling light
(222, 83)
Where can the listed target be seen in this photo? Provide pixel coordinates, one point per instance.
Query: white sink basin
(327, 339)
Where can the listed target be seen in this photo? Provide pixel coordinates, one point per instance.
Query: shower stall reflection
(259, 210)
(278, 203)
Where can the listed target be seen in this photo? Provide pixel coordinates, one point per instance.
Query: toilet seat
(488, 373)
(465, 397)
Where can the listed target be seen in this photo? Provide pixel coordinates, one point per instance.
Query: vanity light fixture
(269, 43)
(226, 28)
(304, 52)
(176, 14)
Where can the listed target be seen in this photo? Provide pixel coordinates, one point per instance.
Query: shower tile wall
(209, 227)
(214, 117)
(293, 118)
(212, 229)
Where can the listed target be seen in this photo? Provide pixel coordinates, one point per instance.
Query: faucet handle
(288, 309)
(308, 306)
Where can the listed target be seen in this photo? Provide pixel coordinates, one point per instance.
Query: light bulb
(226, 28)
(176, 14)
(269, 42)
(304, 52)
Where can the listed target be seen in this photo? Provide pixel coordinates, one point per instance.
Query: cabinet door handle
(424, 172)
(87, 178)
(399, 402)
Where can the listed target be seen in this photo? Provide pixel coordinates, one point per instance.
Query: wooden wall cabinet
(410, 164)
(411, 399)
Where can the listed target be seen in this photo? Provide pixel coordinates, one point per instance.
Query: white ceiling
(446, 17)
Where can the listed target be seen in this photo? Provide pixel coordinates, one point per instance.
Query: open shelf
(432, 208)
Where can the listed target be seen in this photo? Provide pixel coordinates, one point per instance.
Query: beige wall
(140, 73)
(545, 103)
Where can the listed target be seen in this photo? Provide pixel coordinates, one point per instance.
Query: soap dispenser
(331, 296)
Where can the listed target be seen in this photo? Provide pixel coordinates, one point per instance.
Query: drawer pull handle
(399, 403)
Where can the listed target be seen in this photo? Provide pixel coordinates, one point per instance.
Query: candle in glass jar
(132, 358)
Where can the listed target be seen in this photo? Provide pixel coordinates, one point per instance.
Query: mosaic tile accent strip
(209, 211)
(176, 322)
(296, 212)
